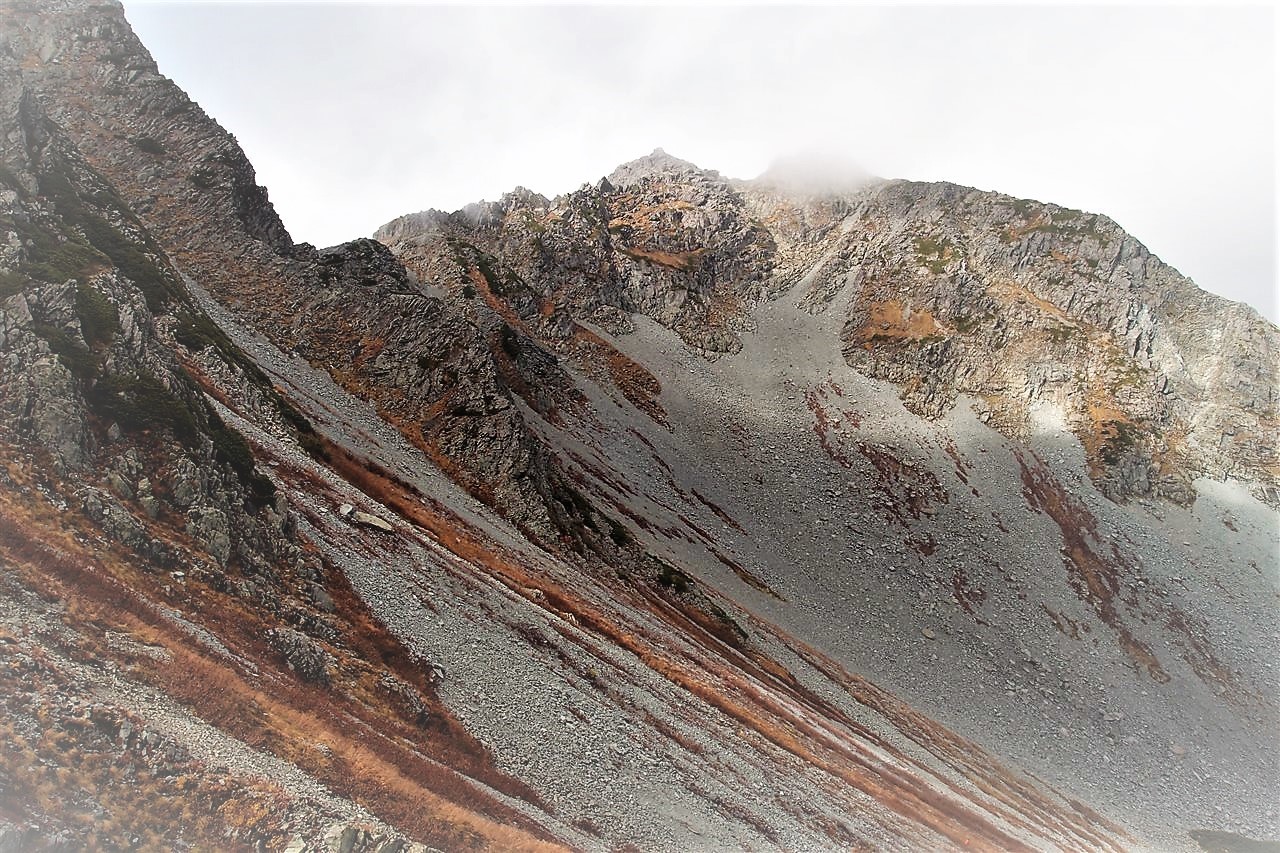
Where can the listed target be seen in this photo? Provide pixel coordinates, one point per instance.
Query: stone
(119, 485)
(374, 521)
(343, 838)
(321, 597)
(303, 655)
(212, 528)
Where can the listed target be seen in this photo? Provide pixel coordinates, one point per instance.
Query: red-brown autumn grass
(638, 385)
(737, 695)
(730, 689)
(1096, 579)
(679, 261)
(724, 679)
(103, 791)
(719, 513)
(979, 768)
(890, 321)
(407, 776)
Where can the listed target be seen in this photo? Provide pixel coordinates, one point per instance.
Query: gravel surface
(830, 539)
(620, 752)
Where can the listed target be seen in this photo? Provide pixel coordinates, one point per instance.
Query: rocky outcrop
(88, 372)
(448, 375)
(658, 237)
(954, 291)
(654, 617)
(303, 655)
(945, 291)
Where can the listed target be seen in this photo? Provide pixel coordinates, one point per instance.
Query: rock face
(945, 290)
(658, 237)
(741, 515)
(304, 655)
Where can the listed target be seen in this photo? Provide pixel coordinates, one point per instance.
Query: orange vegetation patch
(681, 261)
(890, 321)
(370, 349)
(636, 214)
(497, 305)
(418, 779)
(1009, 291)
(637, 384)
(79, 772)
(1106, 430)
(1040, 220)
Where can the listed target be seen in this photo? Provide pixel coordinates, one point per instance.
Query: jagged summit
(657, 164)
(930, 278)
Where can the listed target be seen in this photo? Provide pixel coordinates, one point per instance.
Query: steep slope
(945, 291)
(150, 567)
(592, 523)
(1085, 372)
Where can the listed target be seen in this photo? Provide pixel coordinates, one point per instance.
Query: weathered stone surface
(303, 655)
(370, 520)
(945, 291)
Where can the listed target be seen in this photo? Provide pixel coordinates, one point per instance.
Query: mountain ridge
(1126, 318)
(608, 520)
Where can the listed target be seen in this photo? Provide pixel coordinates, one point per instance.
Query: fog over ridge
(1162, 119)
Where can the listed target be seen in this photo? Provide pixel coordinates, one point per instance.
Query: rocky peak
(177, 158)
(659, 165)
(524, 197)
(403, 227)
(946, 290)
(265, 481)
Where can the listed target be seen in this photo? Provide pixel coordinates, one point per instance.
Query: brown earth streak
(966, 594)
(744, 575)
(638, 385)
(376, 757)
(1067, 626)
(719, 513)
(730, 678)
(1095, 579)
(909, 488)
(824, 425)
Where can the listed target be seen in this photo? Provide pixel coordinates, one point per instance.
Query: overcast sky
(1162, 118)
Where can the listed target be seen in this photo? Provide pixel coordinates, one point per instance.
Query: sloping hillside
(675, 513)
